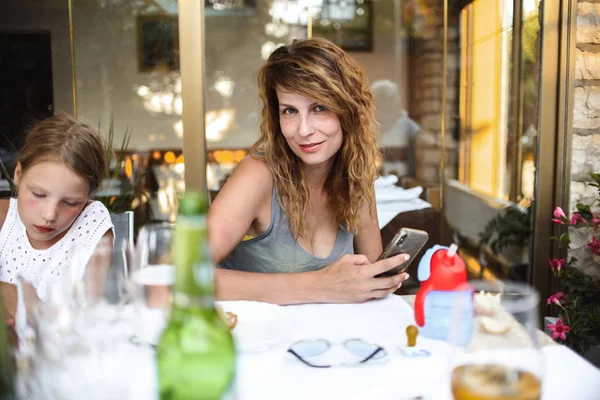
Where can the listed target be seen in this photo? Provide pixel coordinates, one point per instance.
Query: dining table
(266, 370)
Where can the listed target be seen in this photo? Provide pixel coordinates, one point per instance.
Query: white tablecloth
(265, 331)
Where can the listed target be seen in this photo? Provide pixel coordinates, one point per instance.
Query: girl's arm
(4, 204)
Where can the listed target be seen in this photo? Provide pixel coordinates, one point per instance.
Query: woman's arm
(243, 205)
(368, 241)
(348, 280)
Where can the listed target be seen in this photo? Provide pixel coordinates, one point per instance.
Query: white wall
(108, 75)
(389, 58)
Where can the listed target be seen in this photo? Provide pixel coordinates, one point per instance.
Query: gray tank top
(277, 250)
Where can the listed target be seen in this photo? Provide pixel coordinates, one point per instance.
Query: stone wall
(425, 108)
(585, 157)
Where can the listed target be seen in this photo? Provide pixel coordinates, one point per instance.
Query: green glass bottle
(196, 353)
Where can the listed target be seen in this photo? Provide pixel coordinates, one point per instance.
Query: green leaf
(10, 143)
(564, 240)
(121, 157)
(596, 178)
(585, 211)
(510, 227)
(6, 175)
(124, 200)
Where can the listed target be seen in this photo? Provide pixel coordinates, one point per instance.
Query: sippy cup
(441, 271)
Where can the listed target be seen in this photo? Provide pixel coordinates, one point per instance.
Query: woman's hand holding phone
(352, 279)
(406, 241)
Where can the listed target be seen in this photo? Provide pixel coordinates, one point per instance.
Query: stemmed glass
(152, 276)
(80, 333)
(495, 335)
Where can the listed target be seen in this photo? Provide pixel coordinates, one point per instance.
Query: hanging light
(294, 12)
(222, 5)
(338, 10)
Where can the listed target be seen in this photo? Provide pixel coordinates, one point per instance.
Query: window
(498, 107)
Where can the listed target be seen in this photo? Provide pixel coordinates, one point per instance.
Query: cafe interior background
(473, 105)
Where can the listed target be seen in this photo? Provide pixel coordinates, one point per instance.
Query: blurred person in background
(397, 131)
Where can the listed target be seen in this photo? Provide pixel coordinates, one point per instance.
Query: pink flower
(596, 222)
(559, 213)
(558, 329)
(576, 218)
(556, 298)
(556, 264)
(594, 246)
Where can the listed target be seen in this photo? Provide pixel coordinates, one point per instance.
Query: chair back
(123, 223)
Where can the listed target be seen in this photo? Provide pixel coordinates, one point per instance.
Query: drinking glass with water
(500, 356)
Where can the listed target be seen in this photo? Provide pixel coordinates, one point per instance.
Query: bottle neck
(194, 285)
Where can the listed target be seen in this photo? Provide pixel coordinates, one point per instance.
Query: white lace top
(43, 267)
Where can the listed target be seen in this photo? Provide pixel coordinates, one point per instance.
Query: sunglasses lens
(310, 348)
(363, 349)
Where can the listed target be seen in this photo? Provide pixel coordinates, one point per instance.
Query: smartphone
(408, 241)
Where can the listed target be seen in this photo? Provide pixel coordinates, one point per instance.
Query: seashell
(493, 326)
(487, 303)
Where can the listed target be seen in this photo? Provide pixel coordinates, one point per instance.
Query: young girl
(59, 167)
(296, 222)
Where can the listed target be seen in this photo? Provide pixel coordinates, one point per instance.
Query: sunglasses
(362, 351)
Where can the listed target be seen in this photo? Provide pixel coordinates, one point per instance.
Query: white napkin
(396, 193)
(388, 211)
(386, 180)
(260, 326)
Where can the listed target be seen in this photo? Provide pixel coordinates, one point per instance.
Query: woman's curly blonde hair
(320, 70)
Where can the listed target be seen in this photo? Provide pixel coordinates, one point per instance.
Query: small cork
(411, 334)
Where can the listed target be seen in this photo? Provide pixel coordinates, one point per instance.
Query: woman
(296, 221)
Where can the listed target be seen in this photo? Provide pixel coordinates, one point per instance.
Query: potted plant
(505, 239)
(577, 301)
(112, 194)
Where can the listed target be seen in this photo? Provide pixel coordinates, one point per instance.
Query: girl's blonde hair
(320, 70)
(61, 138)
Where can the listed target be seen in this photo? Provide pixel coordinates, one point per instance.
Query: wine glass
(152, 278)
(103, 280)
(495, 335)
(81, 337)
